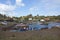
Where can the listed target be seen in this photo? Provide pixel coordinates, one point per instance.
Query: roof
(42, 20)
(21, 24)
(46, 18)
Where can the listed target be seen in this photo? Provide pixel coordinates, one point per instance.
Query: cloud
(8, 9)
(19, 3)
(5, 7)
(34, 10)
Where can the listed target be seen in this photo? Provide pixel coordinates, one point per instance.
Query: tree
(30, 15)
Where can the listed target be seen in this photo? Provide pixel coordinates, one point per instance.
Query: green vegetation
(38, 18)
(25, 18)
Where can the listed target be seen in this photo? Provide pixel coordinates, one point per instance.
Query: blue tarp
(36, 26)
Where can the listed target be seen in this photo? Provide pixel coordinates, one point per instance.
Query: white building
(30, 18)
(42, 20)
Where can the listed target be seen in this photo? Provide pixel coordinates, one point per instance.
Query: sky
(25, 7)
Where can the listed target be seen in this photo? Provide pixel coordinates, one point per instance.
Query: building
(47, 19)
(42, 20)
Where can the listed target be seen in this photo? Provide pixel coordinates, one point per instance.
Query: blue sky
(34, 7)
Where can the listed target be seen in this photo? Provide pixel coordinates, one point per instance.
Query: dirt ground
(44, 34)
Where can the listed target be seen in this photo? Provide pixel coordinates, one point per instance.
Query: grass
(45, 34)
